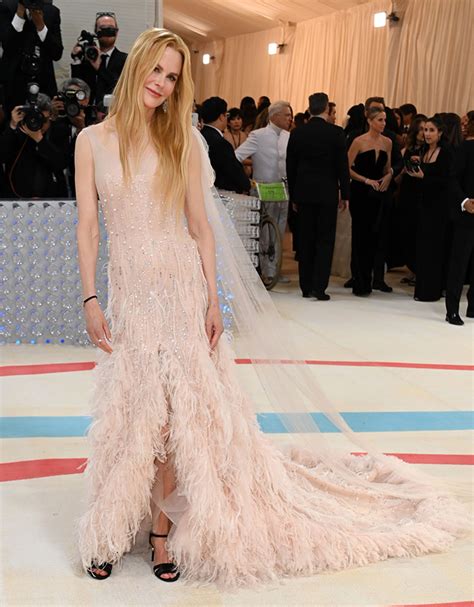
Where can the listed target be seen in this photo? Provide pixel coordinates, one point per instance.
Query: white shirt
(19, 23)
(267, 148)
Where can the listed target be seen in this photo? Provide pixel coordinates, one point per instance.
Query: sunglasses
(105, 14)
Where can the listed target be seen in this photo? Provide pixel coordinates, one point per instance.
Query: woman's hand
(97, 327)
(373, 184)
(385, 182)
(214, 326)
(418, 173)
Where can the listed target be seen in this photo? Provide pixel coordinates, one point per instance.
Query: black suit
(15, 44)
(34, 170)
(462, 252)
(103, 80)
(230, 174)
(317, 168)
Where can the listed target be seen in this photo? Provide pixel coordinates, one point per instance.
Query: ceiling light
(380, 19)
(206, 59)
(273, 48)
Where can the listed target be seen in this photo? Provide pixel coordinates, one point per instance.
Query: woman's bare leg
(160, 523)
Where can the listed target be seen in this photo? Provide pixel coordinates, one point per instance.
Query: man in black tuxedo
(317, 170)
(31, 41)
(462, 252)
(102, 74)
(230, 174)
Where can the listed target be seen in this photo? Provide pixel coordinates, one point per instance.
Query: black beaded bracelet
(88, 299)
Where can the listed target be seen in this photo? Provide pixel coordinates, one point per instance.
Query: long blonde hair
(170, 131)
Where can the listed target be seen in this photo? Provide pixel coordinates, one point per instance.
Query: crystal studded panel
(40, 290)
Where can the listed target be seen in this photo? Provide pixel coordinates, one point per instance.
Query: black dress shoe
(382, 286)
(454, 319)
(349, 283)
(322, 296)
(306, 294)
(470, 313)
(361, 293)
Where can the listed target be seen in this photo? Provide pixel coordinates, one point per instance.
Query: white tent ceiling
(203, 20)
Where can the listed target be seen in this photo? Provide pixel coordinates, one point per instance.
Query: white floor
(38, 556)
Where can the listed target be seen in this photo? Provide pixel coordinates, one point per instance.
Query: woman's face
(378, 122)
(432, 134)
(420, 136)
(235, 123)
(161, 82)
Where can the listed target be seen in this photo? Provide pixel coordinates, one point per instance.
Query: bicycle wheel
(269, 250)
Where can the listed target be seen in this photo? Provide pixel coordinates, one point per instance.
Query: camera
(71, 100)
(33, 117)
(33, 5)
(412, 165)
(107, 32)
(88, 44)
(31, 62)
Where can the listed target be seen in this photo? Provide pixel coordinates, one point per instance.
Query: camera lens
(34, 120)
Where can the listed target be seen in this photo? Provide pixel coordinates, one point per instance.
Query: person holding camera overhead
(71, 113)
(100, 66)
(30, 34)
(33, 164)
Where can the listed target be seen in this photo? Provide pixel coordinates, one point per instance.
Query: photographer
(33, 164)
(99, 66)
(71, 113)
(30, 35)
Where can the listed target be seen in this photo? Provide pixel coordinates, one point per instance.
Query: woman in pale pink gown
(173, 435)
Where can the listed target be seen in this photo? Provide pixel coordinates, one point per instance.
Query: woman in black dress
(436, 176)
(410, 193)
(371, 174)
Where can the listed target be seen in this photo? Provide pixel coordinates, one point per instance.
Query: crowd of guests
(406, 178)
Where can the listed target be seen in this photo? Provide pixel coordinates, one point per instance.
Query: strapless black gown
(369, 212)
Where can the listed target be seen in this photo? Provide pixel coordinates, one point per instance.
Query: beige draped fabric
(422, 59)
(433, 68)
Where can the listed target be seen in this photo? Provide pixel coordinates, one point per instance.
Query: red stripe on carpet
(451, 459)
(458, 604)
(356, 363)
(9, 370)
(49, 368)
(40, 468)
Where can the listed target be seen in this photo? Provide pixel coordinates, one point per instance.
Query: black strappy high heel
(107, 567)
(163, 568)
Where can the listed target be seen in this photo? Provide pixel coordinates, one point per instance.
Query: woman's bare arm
(201, 232)
(88, 240)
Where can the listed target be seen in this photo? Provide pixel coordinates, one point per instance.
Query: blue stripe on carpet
(271, 423)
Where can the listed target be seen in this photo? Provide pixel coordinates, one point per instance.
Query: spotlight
(206, 58)
(273, 48)
(380, 19)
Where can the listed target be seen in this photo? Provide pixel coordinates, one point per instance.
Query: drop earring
(164, 105)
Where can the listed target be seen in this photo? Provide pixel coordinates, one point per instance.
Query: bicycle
(270, 245)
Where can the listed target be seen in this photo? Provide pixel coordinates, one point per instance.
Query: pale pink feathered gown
(248, 512)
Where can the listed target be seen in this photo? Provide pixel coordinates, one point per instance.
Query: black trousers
(370, 222)
(462, 254)
(316, 236)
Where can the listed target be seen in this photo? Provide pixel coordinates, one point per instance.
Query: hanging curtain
(422, 59)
